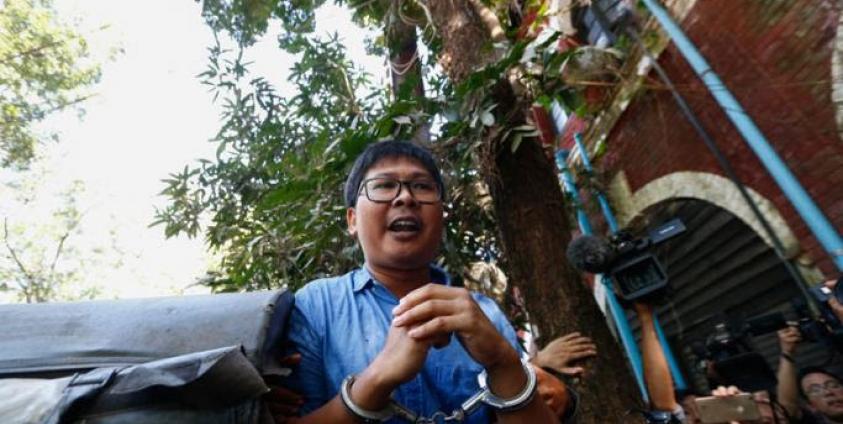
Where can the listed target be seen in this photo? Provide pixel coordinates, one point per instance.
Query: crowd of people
(395, 341)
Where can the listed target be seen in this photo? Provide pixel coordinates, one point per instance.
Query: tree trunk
(534, 230)
(534, 233)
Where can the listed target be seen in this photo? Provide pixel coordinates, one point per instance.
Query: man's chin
(410, 259)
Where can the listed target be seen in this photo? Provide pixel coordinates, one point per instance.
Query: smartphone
(740, 407)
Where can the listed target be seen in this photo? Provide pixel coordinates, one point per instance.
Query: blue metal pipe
(819, 225)
(571, 189)
(616, 311)
(604, 204)
(678, 379)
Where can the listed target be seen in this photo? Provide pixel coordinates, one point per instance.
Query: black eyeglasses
(386, 189)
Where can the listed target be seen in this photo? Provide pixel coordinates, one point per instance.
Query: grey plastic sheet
(207, 383)
(77, 336)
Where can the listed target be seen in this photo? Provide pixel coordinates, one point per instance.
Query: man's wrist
(788, 356)
(507, 377)
(371, 390)
(539, 360)
(509, 403)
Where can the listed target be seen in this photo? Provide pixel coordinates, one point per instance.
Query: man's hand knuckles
(423, 310)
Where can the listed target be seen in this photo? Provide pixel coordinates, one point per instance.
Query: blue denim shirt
(340, 324)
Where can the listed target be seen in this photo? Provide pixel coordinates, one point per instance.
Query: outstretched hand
(789, 339)
(564, 354)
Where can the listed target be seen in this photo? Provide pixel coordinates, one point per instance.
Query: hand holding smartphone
(740, 407)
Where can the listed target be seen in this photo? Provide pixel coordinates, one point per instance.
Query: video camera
(636, 272)
(825, 328)
(731, 361)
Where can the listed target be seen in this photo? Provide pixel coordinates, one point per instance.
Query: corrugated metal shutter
(720, 269)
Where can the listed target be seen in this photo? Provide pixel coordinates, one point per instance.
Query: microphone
(590, 254)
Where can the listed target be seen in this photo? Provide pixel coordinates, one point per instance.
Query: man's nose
(405, 197)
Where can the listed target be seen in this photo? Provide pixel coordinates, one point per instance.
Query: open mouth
(405, 224)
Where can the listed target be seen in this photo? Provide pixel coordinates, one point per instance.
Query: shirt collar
(362, 278)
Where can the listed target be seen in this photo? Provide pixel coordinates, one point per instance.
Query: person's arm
(321, 403)
(656, 371)
(401, 358)
(435, 309)
(787, 389)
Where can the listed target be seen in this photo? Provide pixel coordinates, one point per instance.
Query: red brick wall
(775, 56)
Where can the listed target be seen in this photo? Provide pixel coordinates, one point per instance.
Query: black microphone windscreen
(590, 254)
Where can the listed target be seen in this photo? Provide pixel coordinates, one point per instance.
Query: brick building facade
(776, 58)
(781, 60)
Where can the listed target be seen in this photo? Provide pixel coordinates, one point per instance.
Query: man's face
(401, 234)
(825, 394)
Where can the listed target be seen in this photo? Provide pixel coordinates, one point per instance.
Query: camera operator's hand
(789, 339)
(725, 392)
(836, 307)
(565, 353)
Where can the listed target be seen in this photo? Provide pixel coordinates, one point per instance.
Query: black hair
(803, 372)
(388, 149)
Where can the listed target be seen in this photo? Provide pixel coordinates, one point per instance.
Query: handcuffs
(484, 396)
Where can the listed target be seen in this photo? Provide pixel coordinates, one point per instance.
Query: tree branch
(59, 249)
(29, 277)
(30, 52)
(490, 21)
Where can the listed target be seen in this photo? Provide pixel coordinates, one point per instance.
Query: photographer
(821, 390)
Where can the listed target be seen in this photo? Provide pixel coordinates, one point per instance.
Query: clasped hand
(425, 318)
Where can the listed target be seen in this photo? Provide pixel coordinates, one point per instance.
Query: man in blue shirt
(395, 329)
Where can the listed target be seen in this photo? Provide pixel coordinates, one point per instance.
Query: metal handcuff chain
(484, 396)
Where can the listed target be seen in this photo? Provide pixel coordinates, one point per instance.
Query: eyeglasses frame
(402, 184)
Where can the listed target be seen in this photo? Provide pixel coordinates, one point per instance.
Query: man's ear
(351, 220)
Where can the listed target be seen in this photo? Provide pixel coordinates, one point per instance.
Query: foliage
(273, 194)
(44, 68)
(40, 259)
